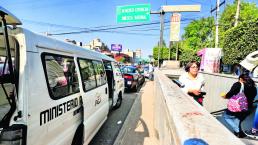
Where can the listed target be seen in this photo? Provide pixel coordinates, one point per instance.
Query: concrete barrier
(215, 84)
(179, 120)
(171, 64)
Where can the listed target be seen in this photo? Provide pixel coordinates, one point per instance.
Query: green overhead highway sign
(133, 13)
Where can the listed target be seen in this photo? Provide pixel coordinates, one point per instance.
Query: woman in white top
(193, 81)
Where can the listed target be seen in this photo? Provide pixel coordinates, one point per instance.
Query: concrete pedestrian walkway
(138, 128)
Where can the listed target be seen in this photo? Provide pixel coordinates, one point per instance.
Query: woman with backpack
(241, 96)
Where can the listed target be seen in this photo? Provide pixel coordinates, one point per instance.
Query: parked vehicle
(133, 78)
(115, 83)
(53, 93)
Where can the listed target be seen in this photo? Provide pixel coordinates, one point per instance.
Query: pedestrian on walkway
(234, 116)
(151, 70)
(193, 81)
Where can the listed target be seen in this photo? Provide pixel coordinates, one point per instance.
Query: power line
(71, 27)
(130, 33)
(94, 30)
(112, 28)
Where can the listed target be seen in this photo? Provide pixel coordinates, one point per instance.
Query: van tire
(78, 136)
(119, 101)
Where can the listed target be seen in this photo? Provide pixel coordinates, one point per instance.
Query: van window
(107, 65)
(100, 72)
(87, 74)
(61, 75)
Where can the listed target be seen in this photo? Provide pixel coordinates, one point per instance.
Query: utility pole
(169, 49)
(217, 21)
(162, 13)
(176, 51)
(237, 13)
(217, 26)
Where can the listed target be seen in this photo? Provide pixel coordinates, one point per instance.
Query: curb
(126, 125)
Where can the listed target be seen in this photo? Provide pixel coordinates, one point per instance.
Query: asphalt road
(109, 131)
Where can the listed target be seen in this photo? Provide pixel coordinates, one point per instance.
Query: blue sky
(55, 16)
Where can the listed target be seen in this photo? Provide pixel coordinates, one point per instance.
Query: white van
(52, 92)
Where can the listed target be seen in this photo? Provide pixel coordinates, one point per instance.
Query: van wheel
(119, 101)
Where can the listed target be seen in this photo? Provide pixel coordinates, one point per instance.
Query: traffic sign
(133, 13)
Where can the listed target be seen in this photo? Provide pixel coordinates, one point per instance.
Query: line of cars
(134, 76)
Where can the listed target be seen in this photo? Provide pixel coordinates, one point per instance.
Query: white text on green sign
(133, 13)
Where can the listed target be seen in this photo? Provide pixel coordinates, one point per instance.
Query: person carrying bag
(238, 102)
(241, 96)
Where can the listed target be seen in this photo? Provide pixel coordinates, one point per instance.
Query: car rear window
(129, 70)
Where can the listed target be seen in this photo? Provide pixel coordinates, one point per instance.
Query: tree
(164, 53)
(104, 48)
(243, 38)
(187, 54)
(248, 11)
(198, 34)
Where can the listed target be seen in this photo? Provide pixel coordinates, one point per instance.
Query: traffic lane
(110, 129)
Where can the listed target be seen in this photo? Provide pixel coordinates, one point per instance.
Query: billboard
(116, 47)
(175, 27)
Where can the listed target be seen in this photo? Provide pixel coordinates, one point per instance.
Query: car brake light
(13, 135)
(128, 77)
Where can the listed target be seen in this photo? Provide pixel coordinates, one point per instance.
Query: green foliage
(104, 48)
(198, 34)
(187, 55)
(164, 53)
(248, 11)
(240, 41)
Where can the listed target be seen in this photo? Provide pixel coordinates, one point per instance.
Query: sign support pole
(177, 52)
(171, 9)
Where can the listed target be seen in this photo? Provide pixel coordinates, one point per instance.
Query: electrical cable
(112, 28)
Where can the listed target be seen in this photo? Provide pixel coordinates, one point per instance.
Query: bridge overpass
(163, 115)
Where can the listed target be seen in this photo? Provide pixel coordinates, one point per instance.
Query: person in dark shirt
(234, 118)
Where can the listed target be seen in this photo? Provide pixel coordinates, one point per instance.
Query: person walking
(234, 116)
(151, 70)
(193, 81)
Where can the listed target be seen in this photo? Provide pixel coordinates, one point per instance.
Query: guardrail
(179, 120)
